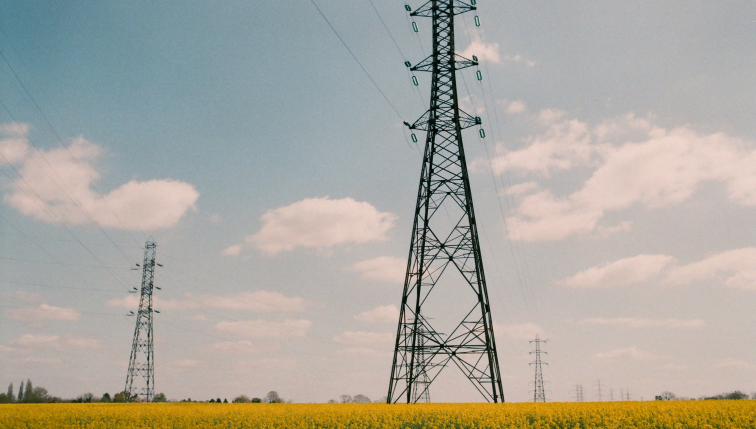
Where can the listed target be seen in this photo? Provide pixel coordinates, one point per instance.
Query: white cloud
(625, 353)
(732, 268)
(521, 331)
(640, 322)
(131, 302)
(321, 223)
(519, 59)
(233, 250)
(383, 268)
(636, 269)
(231, 347)
(36, 341)
(516, 107)
(84, 342)
(42, 313)
(633, 163)
(383, 314)
(735, 268)
(733, 363)
(261, 300)
(363, 338)
(63, 179)
(484, 51)
(14, 146)
(264, 329)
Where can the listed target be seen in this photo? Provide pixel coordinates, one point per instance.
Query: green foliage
(4, 399)
(105, 398)
(241, 399)
(256, 400)
(160, 397)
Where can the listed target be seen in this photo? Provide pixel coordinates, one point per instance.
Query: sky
(615, 193)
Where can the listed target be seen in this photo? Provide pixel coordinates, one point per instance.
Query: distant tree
(20, 396)
(212, 401)
(333, 401)
(28, 390)
(345, 399)
(4, 399)
(667, 396)
(225, 400)
(273, 398)
(360, 399)
(121, 396)
(85, 398)
(36, 395)
(241, 399)
(160, 397)
(736, 395)
(105, 397)
(256, 400)
(218, 401)
(10, 393)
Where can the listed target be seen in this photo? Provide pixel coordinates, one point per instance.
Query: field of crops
(690, 414)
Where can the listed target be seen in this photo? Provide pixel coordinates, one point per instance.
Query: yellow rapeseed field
(677, 414)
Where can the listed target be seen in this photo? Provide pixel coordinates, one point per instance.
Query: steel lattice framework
(539, 395)
(444, 237)
(141, 363)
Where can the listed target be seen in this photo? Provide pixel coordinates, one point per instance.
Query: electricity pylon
(141, 362)
(538, 393)
(420, 391)
(444, 242)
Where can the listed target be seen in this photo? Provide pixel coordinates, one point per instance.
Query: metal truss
(141, 362)
(444, 238)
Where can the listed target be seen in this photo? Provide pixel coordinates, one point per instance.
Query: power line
(357, 60)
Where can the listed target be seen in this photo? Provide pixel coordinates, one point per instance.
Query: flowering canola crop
(672, 415)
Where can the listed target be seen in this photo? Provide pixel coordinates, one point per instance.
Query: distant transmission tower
(444, 249)
(599, 391)
(420, 391)
(538, 393)
(141, 363)
(578, 393)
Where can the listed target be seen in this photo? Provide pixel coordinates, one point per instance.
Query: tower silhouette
(539, 395)
(141, 362)
(444, 254)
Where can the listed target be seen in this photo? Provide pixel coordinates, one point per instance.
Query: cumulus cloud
(630, 353)
(43, 313)
(637, 269)
(231, 347)
(14, 145)
(520, 331)
(516, 107)
(383, 268)
(633, 162)
(383, 314)
(735, 268)
(57, 186)
(233, 250)
(484, 51)
(265, 329)
(260, 301)
(29, 343)
(321, 223)
(362, 338)
(640, 322)
(732, 268)
(517, 58)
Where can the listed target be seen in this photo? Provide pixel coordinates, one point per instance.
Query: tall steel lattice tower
(444, 251)
(539, 395)
(141, 363)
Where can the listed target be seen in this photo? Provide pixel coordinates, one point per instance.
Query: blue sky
(614, 192)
